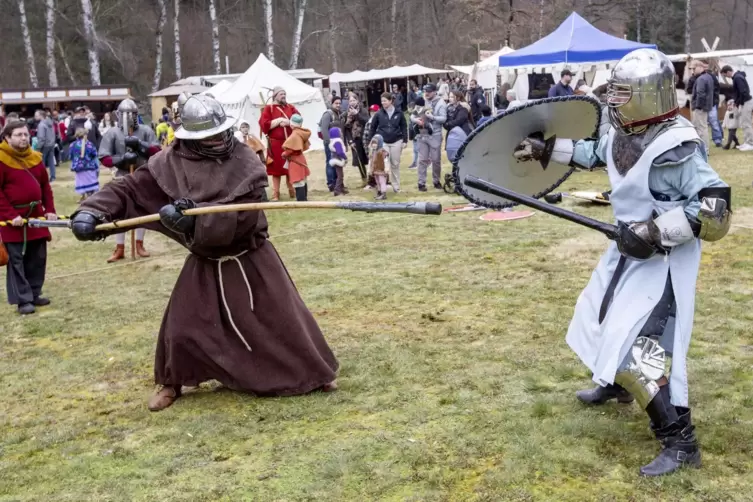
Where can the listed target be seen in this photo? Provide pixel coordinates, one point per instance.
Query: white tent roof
(393, 72)
(219, 88)
(245, 98)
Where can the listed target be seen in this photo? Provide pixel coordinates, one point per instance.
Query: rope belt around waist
(31, 206)
(220, 261)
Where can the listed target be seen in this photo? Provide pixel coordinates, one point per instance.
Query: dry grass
(456, 382)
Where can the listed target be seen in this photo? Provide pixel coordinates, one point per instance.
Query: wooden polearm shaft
(425, 208)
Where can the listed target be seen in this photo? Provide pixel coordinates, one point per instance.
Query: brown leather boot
(140, 250)
(164, 397)
(118, 254)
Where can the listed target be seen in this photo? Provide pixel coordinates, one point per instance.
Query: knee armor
(646, 363)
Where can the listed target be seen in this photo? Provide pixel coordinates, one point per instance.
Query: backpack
(319, 124)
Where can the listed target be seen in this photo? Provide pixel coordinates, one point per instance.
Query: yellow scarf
(19, 160)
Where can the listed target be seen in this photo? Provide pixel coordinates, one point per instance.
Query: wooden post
(133, 235)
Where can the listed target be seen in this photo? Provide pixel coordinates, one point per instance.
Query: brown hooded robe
(197, 341)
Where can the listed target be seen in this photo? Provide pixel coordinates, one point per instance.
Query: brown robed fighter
(235, 315)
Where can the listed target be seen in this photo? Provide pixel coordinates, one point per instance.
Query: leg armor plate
(645, 365)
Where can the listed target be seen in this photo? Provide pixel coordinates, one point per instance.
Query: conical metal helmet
(128, 114)
(202, 117)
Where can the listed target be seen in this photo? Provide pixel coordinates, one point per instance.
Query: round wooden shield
(506, 215)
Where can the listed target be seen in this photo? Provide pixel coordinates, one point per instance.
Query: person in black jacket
(717, 136)
(391, 125)
(79, 121)
(477, 100)
(744, 103)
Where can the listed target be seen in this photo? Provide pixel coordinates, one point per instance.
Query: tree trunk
(332, 34)
(731, 25)
(510, 23)
(393, 21)
(215, 38)
(91, 39)
(27, 45)
(176, 37)
(638, 20)
(296, 49)
(541, 19)
(269, 30)
(65, 62)
(158, 45)
(687, 26)
(51, 67)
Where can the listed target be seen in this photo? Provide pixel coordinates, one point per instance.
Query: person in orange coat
(292, 151)
(275, 123)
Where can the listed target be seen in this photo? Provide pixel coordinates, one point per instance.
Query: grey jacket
(46, 133)
(331, 118)
(703, 93)
(439, 115)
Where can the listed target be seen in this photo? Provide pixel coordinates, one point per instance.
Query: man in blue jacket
(562, 88)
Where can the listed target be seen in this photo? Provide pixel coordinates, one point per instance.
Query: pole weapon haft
(423, 208)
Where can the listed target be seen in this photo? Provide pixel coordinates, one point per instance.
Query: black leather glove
(83, 224)
(133, 143)
(639, 240)
(129, 158)
(173, 218)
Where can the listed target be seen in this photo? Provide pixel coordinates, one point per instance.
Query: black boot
(600, 395)
(679, 447)
(300, 193)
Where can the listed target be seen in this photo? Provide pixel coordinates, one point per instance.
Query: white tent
(219, 88)
(487, 69)
(246, 97)
(387, 73)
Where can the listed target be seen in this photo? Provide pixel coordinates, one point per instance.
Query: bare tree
(541, 19)
(687, 26)
(176, 37)
(158, 45)
(65, 62)
(215, 38)
(91, 42)
(332, 34)
(27, 45)
(269, 30)
(296, 49)
(637, 20)
(51, 67)
(393, 22)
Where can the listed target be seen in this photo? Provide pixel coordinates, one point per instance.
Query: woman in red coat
(275, 123)
(24, 193)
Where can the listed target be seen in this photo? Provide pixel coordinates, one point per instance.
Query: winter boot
(118, 254)
(600, 395)
(679, 446)
(140, 251)
(300, 193)
(26, 309)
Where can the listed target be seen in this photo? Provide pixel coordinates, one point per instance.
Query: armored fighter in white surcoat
(633, 322)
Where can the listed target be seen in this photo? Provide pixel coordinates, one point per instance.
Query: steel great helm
(205, 128)
(128, 114)
(641, 91)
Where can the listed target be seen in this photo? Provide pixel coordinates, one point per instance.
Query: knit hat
(420, 101)
(379, 140)
(296, 120)
(277, 90)
(334, 133)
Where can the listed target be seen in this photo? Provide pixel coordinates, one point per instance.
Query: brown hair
(388, 96)
(459, 96)
(81, 133)
(11, 126)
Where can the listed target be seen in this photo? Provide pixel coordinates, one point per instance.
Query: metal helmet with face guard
(641, 91)
(205, 128)
(128, 116)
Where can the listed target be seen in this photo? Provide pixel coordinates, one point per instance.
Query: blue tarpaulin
(575, 41)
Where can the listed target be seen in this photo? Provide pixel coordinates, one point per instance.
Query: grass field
(456, 383)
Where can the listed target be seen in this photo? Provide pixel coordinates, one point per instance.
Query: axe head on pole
(33, 223)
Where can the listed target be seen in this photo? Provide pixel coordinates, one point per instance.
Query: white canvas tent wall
(248, 95)
(219, 88)
(387, 73)
(487, 69)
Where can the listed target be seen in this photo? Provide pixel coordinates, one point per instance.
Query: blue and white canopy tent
(575, 44)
